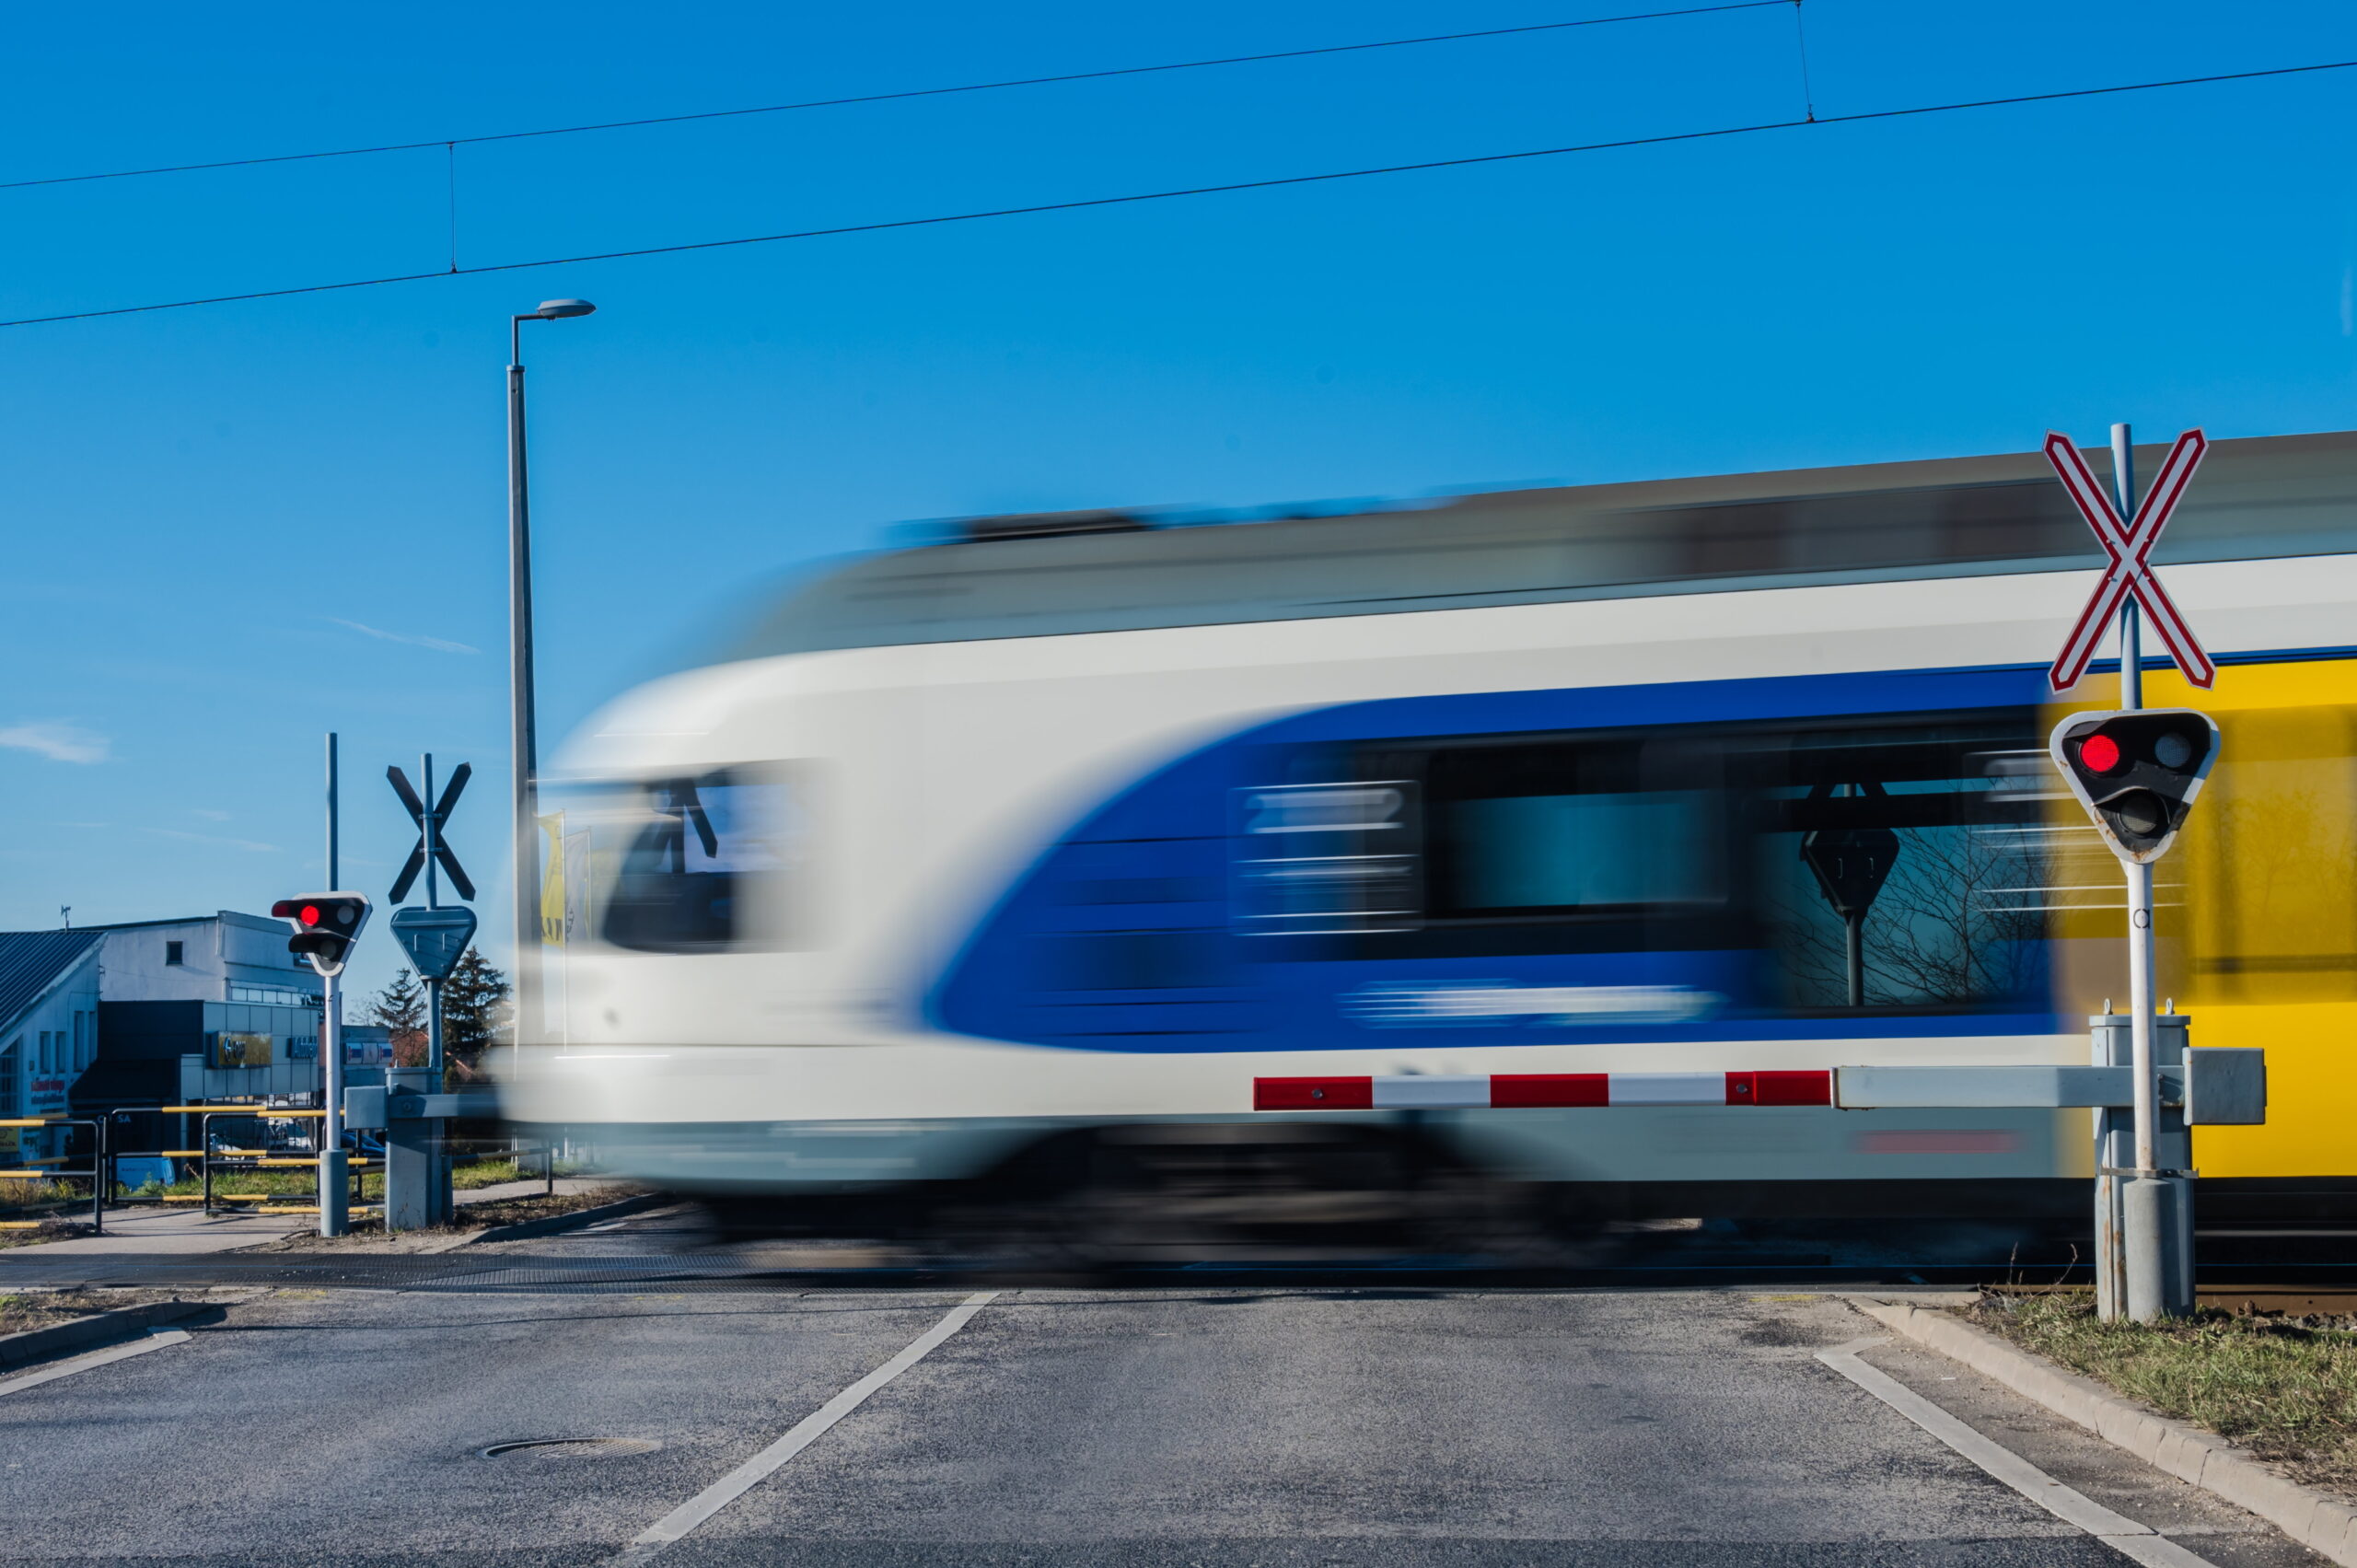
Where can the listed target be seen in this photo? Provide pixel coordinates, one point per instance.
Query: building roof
(260, 921)
(32, 961)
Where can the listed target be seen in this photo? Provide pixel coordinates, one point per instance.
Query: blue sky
(233, 528)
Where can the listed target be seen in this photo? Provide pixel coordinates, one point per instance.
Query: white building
(222, 957)
(49, 1018)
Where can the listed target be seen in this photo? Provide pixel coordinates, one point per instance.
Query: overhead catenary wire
(1084, 203)
(902, 95)
(1800, 38)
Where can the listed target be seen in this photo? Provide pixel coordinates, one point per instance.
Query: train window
(1490, 846)
(1318, 859)
(1900, 863)
(1568, 829)
(1902, 868)
(689, 864)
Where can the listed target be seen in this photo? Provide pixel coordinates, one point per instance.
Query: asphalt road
(1406, 1428)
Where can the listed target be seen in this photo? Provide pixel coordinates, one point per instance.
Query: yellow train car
(2255, 919)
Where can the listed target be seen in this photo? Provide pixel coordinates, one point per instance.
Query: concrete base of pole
(410, 1157)
(335, 1177)
(2110, 1260)
(2181, 1296)
(2115, 1151)
(2158, 1271)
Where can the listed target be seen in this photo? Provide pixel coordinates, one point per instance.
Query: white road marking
(157, 1339)
(2122, 1534)
(672, 1526)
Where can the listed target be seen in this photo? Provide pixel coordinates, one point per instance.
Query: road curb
(522, 1229)
(2322, 1524)
(40, 1344)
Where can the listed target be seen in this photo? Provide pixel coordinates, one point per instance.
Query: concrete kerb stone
(2322, 1524)
(41, 1344)
(550, 1226)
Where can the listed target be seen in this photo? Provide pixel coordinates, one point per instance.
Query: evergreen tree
(401, 1007)
(475, 1011)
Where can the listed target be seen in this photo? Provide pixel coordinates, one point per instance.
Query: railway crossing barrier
(2206, 1087)
(35, 1171)
(2192, 1087)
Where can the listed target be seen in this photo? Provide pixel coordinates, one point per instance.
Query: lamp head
(557, 309)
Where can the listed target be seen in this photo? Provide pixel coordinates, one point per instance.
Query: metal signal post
(523, 721)
(326, 926)
(417, 1166)
(2136, 1258)
(334, 1212)
(2148, 771)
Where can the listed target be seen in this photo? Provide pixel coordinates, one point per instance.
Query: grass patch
(535, 1206)
(290, 1181)
(473, 1174)
(368, 1235)
(61, 1208)
(2284, 1386)
(42, 1309)
(491, 1170)
(299, 1182)
(18, 1313)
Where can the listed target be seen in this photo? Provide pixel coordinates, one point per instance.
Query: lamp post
(521, 729)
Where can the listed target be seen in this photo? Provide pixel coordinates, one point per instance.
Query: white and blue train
(980, 858)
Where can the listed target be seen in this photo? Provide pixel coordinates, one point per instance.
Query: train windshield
(692, 865)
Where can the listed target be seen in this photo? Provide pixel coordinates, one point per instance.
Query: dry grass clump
(46, 1308)
(2284, 1387)
(47, 1230)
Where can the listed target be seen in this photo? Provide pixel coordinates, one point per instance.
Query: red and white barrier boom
(2212, 1087)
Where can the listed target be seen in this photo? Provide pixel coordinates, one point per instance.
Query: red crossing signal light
(326, 925)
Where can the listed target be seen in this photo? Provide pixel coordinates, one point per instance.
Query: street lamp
(521, 729)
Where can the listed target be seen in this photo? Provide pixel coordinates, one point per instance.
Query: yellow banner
(553, 931)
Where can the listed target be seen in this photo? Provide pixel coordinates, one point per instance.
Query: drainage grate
(574, 1448)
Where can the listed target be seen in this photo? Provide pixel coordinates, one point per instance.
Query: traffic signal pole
(2141, 997)
(2155, 1273)
(437, 1164)
(330, 1149)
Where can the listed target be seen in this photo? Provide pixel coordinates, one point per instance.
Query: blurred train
(1007, 862)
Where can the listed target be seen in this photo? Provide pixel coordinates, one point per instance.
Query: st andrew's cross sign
(2130, 573)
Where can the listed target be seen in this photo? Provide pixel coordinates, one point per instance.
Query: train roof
(1060, 573)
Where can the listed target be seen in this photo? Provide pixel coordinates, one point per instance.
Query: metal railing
(33, 1171)
(210, 1159)
(104, 1173)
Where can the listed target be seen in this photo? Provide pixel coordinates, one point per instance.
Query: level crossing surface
(1419, 1426)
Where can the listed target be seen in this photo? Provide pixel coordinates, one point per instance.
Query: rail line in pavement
(545, 1273)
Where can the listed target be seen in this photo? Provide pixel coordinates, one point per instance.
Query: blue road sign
(434, 939)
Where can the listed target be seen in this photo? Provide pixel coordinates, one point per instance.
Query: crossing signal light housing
(2137, 773)
(326, 925)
